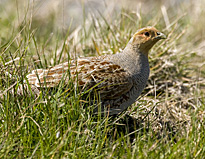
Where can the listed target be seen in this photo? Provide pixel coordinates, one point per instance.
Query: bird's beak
(160, 36)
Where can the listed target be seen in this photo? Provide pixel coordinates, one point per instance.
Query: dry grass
(166, 122)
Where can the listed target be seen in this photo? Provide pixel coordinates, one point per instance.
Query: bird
(118, 78)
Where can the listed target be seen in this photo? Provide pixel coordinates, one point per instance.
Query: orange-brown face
(145, 38)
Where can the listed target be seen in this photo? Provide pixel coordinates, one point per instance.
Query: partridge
(119, 78)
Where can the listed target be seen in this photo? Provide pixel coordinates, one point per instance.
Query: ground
(167, 121)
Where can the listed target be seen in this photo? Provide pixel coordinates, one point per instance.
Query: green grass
(168, 120)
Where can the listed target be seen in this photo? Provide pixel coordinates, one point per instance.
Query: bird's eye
(146, 33)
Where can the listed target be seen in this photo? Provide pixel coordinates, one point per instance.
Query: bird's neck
(137, 49)
(132, 61)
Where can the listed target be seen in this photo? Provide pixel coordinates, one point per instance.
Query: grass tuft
(168, 119)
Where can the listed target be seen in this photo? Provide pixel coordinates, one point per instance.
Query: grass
(168, 119)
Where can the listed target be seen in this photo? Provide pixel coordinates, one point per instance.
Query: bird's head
(143, 40)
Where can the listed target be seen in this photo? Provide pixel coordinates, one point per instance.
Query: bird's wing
(110, 79)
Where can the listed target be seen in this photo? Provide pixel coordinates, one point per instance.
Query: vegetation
(167, 121)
